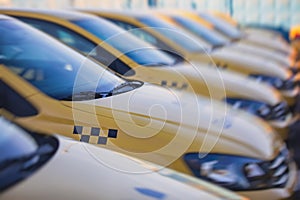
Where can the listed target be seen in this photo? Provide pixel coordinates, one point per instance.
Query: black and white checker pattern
(94, 135)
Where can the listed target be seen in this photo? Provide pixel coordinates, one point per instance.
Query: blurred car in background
(263, 37)
(141, 61)
(47, 87)
(191, 22)
(168, 37)
(69, 171)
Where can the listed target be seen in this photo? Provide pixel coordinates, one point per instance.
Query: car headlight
(255, 107)
(275, 81)
(239, 173)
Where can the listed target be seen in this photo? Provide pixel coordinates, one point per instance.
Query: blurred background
(283, 13)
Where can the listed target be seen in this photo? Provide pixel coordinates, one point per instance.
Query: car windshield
(22, 153)
(52, 67)
(14, 142)
(183, 38)
(222, 26)
(136, 49)
(211, 36)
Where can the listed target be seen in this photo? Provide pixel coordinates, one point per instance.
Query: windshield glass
(22, 153)
(138, 50)
(222, 26)
(55, 69)
(181, 37)
(212, 37)
(14, 142)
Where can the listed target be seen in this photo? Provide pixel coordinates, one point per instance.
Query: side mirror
(11, 101)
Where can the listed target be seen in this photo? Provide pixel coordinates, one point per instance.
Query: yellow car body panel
(61, 117)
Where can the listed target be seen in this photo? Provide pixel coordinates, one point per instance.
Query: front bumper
(276, 193)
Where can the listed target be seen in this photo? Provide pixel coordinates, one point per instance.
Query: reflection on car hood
(231, 81)
(155, 108)
(269, 42)
(78, 172)
(252, 49)
(255, 63)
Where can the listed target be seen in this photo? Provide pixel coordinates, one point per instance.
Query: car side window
(147, 37)
(61, 33)
(80, 43)
(138, 32)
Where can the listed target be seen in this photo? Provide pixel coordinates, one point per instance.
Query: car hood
(82, 171)
(150, 110)
(253, 63)
(234, 82)
(251, 49)
(269, 42)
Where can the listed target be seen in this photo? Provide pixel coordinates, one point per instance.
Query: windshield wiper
(126, 86)
(216, 46)
(90, 95)
(158, 64)
(87, 95)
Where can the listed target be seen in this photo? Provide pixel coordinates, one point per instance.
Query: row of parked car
(188, 91)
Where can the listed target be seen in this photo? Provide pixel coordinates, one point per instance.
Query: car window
(61, 33)
(141, 52)
(211, 36)
(147, 37)
(175, 34)
(55, 69)
(140, 33)
(222, 26)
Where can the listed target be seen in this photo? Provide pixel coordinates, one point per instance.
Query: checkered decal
(219, 65)
(174, 84)
(94, 135)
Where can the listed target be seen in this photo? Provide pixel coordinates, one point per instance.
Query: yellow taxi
(168, 37)
(47, 87)
(261, 37)
(54, 167)
(135, 59)
(192, 22)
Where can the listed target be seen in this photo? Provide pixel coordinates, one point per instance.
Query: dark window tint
(14, 103)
